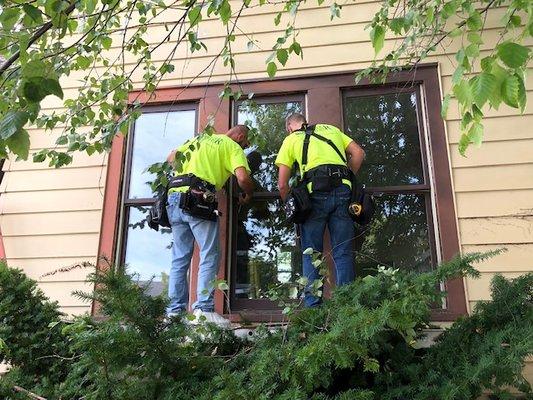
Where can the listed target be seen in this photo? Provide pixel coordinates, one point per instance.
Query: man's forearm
(283, 181)
(246, 185)
(355, 163)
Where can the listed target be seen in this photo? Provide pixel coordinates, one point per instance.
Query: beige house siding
(51, 218)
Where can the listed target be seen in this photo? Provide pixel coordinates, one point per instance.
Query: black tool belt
(327, 177)
(199, 200)
(191, 181)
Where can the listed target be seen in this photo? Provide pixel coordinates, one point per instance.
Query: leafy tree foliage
(361, 344)
(93, 41)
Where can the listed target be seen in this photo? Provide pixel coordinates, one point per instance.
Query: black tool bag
(157, 215)
(298, 204)
(200, 198)
(200, 204)
(362, 206)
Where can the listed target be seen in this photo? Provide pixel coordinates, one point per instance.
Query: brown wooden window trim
(317, 88)
(255, 309)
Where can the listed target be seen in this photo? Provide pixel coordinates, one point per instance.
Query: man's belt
(332, 170)
(192, 181)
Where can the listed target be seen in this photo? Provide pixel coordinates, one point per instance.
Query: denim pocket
(173, 199)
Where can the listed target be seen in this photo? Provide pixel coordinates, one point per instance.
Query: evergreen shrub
(360, 344)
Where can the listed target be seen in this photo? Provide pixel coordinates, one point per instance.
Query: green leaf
(222, 286)
(295, 46)
(195, 15)
(19, 143)
(445, 106)
(83, 62)
(34, 13)
(475, 134)
(510, 91)
(282, 56)
(474, 37)
(482, 87)
(272, 69)
(486, 63)
(495, 98)
(9, 17)
(464, 142)
(474, 22)
(277, 19)
(455, 32)
(35, 68)
(397, 25)
(515, 20)
(458, 75)
(463, 93)
(225, 11)
(472, 50)
(32, 90)
(106, 42)
(12, 123)
(449, 9)
(52, 86)
(90, 5)
(377, 35)
(513, 54)
(522, 99)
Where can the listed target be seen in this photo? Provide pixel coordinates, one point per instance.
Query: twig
(27, 393)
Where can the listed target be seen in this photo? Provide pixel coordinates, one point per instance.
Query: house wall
(51, 218)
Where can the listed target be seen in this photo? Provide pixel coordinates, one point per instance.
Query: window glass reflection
(269, 120)
(398, 236)
(266, 250)
(148, 253)
(156, 134)
(386, 127)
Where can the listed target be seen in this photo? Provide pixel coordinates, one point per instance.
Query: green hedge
(358, 345)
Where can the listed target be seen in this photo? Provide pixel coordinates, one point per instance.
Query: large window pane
(269, 120)
(148, 253)
(266, 251)
(156, 134)
(386, 127)
(398, 237)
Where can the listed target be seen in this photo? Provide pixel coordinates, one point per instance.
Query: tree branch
(40, 32)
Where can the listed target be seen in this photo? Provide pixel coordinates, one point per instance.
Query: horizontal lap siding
(50, 218)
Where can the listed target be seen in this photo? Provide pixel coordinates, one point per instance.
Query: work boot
(210, 317)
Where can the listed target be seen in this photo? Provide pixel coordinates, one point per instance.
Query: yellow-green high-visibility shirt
(319, 152)
(214, 159)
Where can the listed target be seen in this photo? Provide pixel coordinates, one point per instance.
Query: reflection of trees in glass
(266, 251)
(269, 122)
(397, 237)
(386, 127)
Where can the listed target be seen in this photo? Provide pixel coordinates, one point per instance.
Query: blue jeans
(185, 230)
(331, 209)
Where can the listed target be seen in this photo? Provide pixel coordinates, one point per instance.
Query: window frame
(126, 202)
(316, 87)
(426, 188)
(241, 304)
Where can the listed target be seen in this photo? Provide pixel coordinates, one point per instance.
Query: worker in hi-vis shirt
(207, 163)
(330, 153)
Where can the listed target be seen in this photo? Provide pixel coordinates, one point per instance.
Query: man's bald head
(294, 122)
(239, 134)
